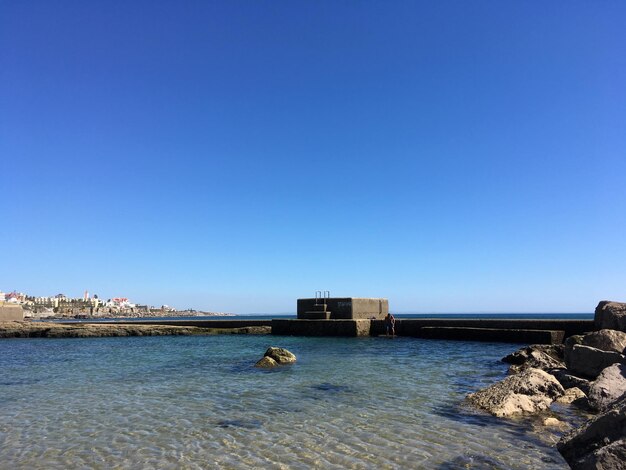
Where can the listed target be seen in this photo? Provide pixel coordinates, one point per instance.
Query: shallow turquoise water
(197, 402)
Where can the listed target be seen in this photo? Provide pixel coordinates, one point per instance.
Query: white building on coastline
(119, 302)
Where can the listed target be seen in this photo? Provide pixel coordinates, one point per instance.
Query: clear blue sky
(452, 156)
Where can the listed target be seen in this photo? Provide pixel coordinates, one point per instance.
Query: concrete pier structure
(491, 330)
(414, 326)
(342, 308)
(199, 323)
(350, 328)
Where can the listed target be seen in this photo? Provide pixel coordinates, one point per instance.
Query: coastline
(125, 315)
(29, 329)
(529, 331)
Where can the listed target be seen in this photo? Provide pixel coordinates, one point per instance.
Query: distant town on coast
(90, 306)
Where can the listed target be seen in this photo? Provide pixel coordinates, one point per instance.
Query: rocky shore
(27, 329)
(106, 313)
(587, 371)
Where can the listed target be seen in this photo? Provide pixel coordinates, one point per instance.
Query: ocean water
(198, 402)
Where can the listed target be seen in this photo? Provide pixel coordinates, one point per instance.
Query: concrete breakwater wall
(415, 327)
(522, 331)
(196, 323)
(322, 327)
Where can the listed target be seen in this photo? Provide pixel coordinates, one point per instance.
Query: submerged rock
(530, 391)
(600, 443)
(553, 423)
(332, 388)
(472, 461)
(608, 387)
(240, 423)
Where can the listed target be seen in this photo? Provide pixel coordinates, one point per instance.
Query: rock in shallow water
(600, 443)
(281, 355)
(571, 395)
(530, 391)
(276, 356)
(553, 423)
(266, 362)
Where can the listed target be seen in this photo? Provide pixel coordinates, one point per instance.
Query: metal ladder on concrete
(321, 296)
(320, 305)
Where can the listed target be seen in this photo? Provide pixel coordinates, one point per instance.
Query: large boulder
(530, 391)
(569, 344)
(608, 387)
(280, 355)
(598, 444)
(606, 340)
(610, 315)
(589, 362)
(609, 457)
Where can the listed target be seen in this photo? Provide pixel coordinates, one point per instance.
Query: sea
(196, 402)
